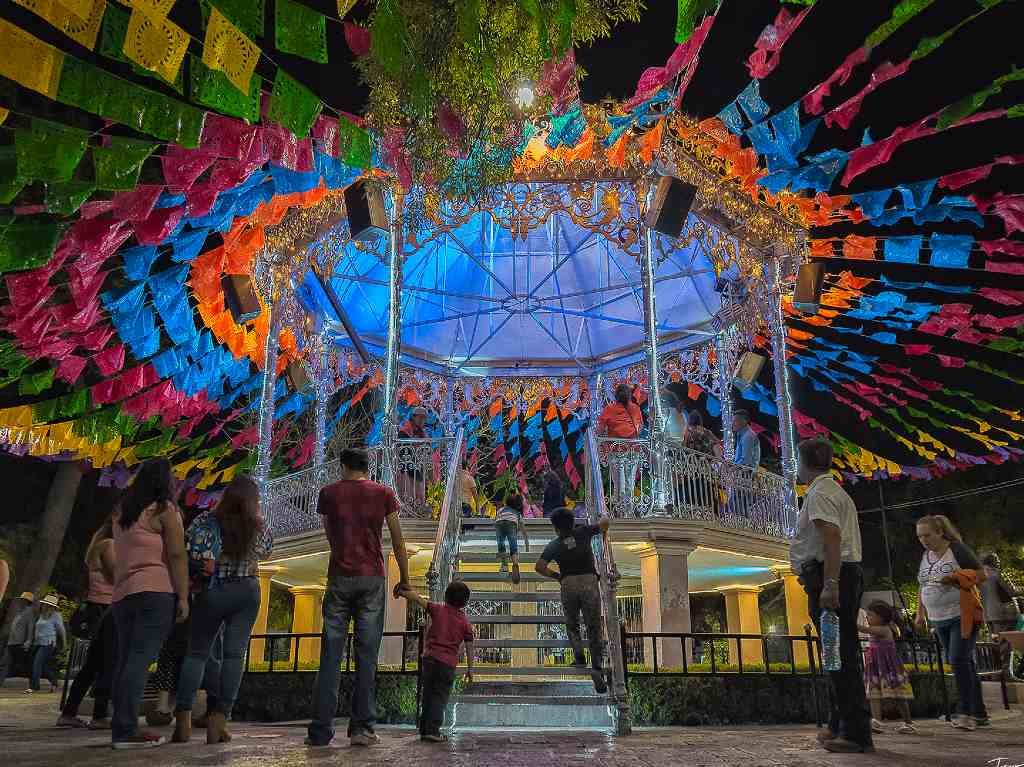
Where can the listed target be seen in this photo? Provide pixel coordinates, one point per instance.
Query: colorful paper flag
(301, 31)
(293, 105)
(155, 43)
(228, 50)
(29, 61)
(117, 166)
(213, 89)
(83, 29)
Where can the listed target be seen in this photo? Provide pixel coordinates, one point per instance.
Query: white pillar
(389, 425)
(664, 579)
(725, 354)
(266, 416)
(777, 326)
(324, 386)
(654, 411)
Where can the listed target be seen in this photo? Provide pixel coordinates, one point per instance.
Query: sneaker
(504, 567)
(29, 691)
(982, 721)
(364, 739)
(876, 726)
(157, 718)
(434, 738)
(844, 746)
(315, 743)
(964, 723)
(906, 729)
(515, 573)
(99, 724)
(600, 687)
(142, 740)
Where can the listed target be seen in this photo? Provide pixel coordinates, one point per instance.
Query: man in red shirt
(354, 511)
(622, 420)
(412, 478)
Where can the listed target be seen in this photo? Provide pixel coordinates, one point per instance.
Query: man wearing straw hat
(16, 660)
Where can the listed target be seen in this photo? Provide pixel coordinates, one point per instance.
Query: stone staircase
(523, 673)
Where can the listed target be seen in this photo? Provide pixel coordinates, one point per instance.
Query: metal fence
(294, 652)
(686, 484)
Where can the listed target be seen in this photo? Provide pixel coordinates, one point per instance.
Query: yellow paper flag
(80, 8)
(155, 43)
(29, 61)
(344, 6)
(227, 49)
(82, 29)
(3, 115)
(158, 7)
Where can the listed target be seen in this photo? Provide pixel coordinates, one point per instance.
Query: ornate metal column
(324, 382)
(449, 419)
(725, 359)
(771, 308)
(272, 294)
(656, 431)
(389, 424)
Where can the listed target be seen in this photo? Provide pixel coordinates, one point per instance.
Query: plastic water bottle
(830, 641)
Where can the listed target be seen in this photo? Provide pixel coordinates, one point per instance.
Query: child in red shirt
(447, 630)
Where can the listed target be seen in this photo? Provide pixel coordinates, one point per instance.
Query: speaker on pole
(671, 204)
(364, 206)
(810, 279)
(240, 298)
(297, 377)
(747, 370)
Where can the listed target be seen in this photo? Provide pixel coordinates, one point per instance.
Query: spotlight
(525, 95)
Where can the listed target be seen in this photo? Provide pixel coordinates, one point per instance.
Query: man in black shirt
(578, 578)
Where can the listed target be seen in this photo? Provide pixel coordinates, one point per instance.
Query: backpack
(203, 545)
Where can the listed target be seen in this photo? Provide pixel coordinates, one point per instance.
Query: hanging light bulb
(525, 95)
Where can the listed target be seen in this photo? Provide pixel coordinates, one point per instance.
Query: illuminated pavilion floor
(28, 739)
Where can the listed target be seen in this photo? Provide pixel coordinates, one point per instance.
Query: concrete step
(536, 700)
(469, 576)
(510, 643)
(515, 596)
(576, 671)
(527, 619)
(492, 557)
(504, 713)
(563, 688)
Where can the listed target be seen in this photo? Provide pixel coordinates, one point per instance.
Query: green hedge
(287, 696)
(762, 699)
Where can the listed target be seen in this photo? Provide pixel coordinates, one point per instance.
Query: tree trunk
(35, 568)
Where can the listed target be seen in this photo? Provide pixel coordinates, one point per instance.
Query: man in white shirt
(826, 553)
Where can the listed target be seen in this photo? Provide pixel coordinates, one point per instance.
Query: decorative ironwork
(568, 392)
(449, 525)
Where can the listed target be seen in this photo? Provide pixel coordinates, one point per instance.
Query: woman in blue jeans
(508, 525)
(48, 637)
(226, 546)
(949, 568)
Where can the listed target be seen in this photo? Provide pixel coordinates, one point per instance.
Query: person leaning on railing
(826, 553)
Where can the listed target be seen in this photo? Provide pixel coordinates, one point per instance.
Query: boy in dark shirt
(449, 627)
(578, 578)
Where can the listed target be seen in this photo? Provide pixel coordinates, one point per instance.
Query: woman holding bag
(227, 545)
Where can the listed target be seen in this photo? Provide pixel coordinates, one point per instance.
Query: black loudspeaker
(809, 282)
(364, 205)
(240, 298)
(747, 371)
(671, 204)
(297, 377)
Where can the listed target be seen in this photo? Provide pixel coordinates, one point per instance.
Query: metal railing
(296, 652)
(448, 538)
(290, 500)
(694, 486)
(608, 574)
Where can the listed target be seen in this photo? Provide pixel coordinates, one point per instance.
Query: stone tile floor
(28, 739)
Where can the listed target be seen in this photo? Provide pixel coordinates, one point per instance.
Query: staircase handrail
(604, 560)
(447, 538)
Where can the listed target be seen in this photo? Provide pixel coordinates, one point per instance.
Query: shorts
(507, 531)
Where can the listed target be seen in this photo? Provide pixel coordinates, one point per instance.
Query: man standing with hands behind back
(826, 553)
(355, 511)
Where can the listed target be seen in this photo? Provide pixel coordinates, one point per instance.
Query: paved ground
(28, 739)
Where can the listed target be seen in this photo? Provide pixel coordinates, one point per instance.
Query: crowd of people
(187, 597)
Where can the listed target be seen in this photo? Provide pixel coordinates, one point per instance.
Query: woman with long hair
(227, 545)
(101, 657)
(150, 591)
(949, 576)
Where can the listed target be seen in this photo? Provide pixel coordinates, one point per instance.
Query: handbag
(80, 624)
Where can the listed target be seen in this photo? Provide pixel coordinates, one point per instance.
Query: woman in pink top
(150, 592)
(98, 669)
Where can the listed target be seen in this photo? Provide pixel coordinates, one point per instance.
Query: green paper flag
(212, 89)
(687, 13)
(49, 151)
(35, 383)
(74, 404)
(65, 197)
(386, 36)
(114, 30)
(355, 148)
(10, 182)
(968, 105)
(293, 105)
(12, 362)
(87, 87)
(901, 14)
(27, 241)
(300, 30)
(117, 166)
(44, 412)
(247, 15)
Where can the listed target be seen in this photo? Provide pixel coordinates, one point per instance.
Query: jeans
(361, 599)
(42, 665)
(16, 660)
(580, 594)
(507, 532)
(97, 671)
(438, 679)
(850, 716)
(232, 605)
(143, 622)
(960, 654)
